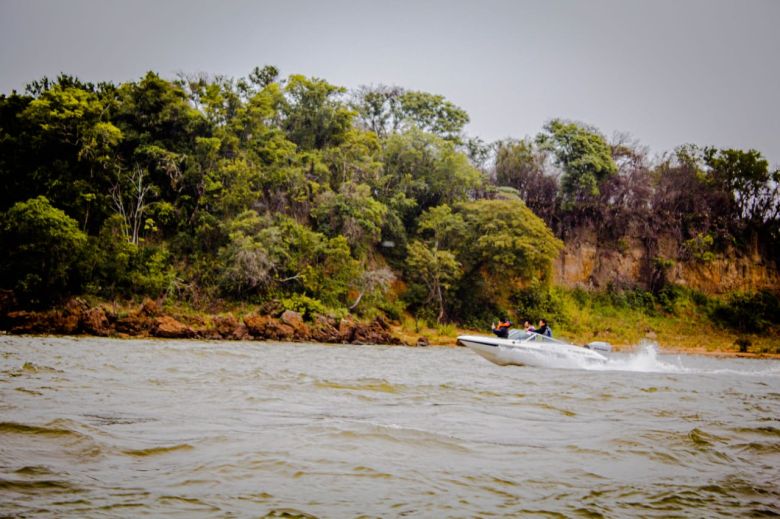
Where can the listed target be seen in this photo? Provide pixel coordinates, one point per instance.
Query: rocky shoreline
(77, 317)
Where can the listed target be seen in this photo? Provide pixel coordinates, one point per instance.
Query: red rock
(241, 333)
(279, 331)
(149, 308)
(294, 320)
(225, 325)
(68, 323)
(168, 327)
(262, 327)
(134, 324)
(22, 321)
(324, 330)
(256, 325)
(347, 329)
(95, 322)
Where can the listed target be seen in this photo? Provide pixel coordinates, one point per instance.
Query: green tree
(745, 175)
(582, 153)
(39, 248)
(278, 256)
(442, 228)
(315, 117)
(352, 213)
(505, 249)
(436, 270)
(426, 169)
(386, 110)
(431, 260)
(73, 147)
(508, 240)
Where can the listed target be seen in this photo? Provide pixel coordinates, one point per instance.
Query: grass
(625, 322)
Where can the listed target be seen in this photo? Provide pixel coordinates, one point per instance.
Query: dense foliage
(262, 188)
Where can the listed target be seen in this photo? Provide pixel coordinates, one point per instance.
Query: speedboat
(523, 348)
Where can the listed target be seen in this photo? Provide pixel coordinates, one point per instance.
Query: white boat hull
(525, 353)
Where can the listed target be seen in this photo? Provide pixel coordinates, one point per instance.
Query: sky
(667, 72)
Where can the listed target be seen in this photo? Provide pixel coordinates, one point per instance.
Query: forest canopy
(208, 188)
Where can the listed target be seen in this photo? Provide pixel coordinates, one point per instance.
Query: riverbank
(625, 330)
(151, 319)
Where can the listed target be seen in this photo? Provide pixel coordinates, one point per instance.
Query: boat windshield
(518, 335)
(522, 335)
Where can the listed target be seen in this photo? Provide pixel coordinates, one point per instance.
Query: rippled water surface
(108, 428)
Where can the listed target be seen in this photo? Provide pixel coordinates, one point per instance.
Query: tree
(352, 213)
(39, 248)
(507, 240)
(131, 195)
(386, 110)
(582, 153)
(73, 148)
(426, 169)
(314, 115)
(442, 228)
(437, 270)
(684, 203)
(521, 165)
(431, 260)
(746, 176)
(277, 255)
(357, 159)
(372, 283)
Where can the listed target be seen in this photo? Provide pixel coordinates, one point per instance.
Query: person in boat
(543, 329)
(528, 327)
(502, 328)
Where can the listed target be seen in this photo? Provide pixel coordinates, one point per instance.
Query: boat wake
(644, 359)
(647, 359)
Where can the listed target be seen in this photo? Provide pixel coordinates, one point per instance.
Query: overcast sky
(666, 71)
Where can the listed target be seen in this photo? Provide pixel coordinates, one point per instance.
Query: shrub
(307, 306)
(537, 302)
(40, 246)
(748, 313)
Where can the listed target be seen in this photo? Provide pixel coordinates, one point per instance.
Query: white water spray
(644, 359)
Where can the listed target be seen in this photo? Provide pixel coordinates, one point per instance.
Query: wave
(154, 451)
(51, 429)
(35, 486)
(401, 435)
(378, 385)
(56, 438)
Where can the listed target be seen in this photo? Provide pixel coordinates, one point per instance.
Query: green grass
(680, 319)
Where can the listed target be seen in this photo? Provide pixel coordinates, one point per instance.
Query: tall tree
(315, 116)
(521, 165)
(386, 110)
(582, 153)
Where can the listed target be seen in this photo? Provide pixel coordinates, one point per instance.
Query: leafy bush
(539, 302)
(307, 306)
(668, 296)
(152, 272)
(114, 266)
(749, 313)
(40, 246)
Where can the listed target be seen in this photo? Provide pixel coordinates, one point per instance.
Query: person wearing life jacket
(543, 329)
(502, 328)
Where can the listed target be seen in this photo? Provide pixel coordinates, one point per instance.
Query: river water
(93, 427)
